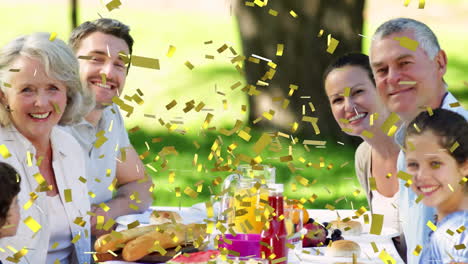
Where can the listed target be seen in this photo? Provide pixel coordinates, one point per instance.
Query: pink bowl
(248, 245)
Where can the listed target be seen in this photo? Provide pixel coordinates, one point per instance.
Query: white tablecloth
(197, 213)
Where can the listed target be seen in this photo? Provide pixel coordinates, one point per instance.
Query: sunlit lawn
(194, 36)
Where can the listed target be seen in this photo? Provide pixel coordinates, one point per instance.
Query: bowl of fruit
(318, 235)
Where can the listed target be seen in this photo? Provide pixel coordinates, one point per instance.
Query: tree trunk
(74, 13)
(303, 61)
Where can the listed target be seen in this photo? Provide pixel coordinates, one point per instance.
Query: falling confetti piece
(113, 5)
(52, 37)
(408, 43)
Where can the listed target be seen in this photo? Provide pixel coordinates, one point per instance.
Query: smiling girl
(436, 155)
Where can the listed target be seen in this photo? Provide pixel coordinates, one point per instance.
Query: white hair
(59, 62)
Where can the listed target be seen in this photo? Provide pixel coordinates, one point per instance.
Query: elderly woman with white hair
(41, 89)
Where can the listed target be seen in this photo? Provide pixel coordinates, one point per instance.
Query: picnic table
(369, 243)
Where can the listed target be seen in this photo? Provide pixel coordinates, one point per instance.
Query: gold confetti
(273, 12)
(431, 225)
(454, 146)
(122, 105)
(4, 151)
(171, 51)
(52, 37)
(460, 246)
(386, 258)
(422, 3)
(367, 134)
(113, 5)
(320, 34)
(222, 48)
(377, 223)
(457, 104)
(314, 142)
(268, 115)
(391, 120)
(356, 192)
(406, 3)
(68, 195)
(145, 62)
(104, 207)
(420, 197)
(408, 43)
(32, 224)
(417, 250)
(171, 104)
(292, 88)
(76, 238)
(279, 49)
(262, 143)
(207, 121)
(199, 106)
(347, 91)
(450, 232)
(189, 65)
(374, 247)
(332, 43)
(190, 192)
(133, 224)
(244, 135)
(293, 14)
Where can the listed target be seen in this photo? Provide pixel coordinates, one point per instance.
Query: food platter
(151, 258)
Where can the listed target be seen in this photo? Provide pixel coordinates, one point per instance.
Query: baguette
(112, 241)
(145, 244)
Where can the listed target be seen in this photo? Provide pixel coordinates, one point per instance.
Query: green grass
(334, 180)
(154, 32)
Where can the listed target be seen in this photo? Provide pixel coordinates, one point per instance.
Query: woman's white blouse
(388, 207)
(60, 245)
(31, 243)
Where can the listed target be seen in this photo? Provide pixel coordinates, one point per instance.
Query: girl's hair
(9, 188)
(448, 126)
(350, 59)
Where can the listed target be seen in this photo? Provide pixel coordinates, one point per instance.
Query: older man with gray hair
(409, 66)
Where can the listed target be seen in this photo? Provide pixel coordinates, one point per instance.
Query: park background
(323, 176)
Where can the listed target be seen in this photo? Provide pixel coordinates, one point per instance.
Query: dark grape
(336, 235)
(336, 232)
(327, 241)
(310, 221)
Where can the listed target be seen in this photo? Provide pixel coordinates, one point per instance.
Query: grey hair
(423, 34)
(59, 62)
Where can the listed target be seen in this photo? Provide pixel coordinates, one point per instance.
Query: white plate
(188, 215)
(386, 233)
(367, 253)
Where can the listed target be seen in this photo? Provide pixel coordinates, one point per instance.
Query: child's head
(436, 155)
(9, 209)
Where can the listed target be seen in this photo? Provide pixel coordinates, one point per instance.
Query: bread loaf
(167, 236)
(343, 248)
(112, 241)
